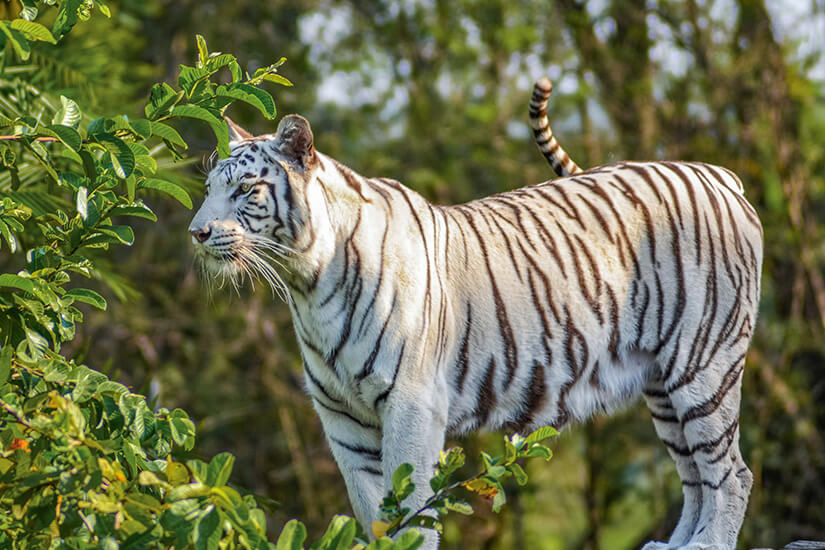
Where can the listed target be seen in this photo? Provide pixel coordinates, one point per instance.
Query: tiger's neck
(340, 288)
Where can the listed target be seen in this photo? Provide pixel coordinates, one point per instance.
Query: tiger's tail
(558, 158)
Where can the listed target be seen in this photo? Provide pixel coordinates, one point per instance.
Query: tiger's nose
(201, 234)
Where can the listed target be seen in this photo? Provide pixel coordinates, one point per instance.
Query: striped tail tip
(559, 160)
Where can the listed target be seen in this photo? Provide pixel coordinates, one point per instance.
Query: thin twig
(21, 136)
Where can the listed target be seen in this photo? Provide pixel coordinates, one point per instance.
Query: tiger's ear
(294, 139)
(236, 133)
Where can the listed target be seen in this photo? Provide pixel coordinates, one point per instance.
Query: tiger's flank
(539, 306)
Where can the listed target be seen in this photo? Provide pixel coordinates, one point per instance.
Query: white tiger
(538, 306)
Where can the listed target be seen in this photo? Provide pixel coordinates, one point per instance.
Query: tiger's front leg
(356, 447)
(414, 427)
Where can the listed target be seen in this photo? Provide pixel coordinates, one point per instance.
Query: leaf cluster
(84, 462)
(486, 483)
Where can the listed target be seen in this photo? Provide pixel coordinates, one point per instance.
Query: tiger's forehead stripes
(247, 161)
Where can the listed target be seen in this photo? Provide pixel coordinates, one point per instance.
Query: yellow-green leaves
(87, 296)
(67, 16)
(77, 449)
(161, 99)
(487, 483)
(251, 95)
(171, 189)
(214, 120)
(200, 96)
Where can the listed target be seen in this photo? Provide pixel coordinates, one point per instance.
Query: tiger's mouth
(251, 256)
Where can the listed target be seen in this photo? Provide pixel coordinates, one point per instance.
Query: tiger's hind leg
(709, 421)
(670, 432)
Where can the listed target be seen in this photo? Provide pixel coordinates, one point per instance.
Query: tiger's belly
(551, 376)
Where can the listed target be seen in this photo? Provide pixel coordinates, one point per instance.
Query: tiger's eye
(246, 187)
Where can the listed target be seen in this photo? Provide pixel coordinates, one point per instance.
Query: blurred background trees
(435, 95)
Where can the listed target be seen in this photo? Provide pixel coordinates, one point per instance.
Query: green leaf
(518, 473)
(82, 202)
(104, 9)
(120, 154)
(215, 122)
(151, 479)
(499, 499)
(458, 505)
(540, 434)
(11, 240)
(207, 534)
(89, 165)
(203, 52)
(339, 534)
(183, 433)
(168, 133)
(177, 473)
(169, 188)
(5, 365)
(161, 99)
(88, 381)
(16, 281)
(33, 31)
(139, 210)
(278, 79)
(235, 71)
(539, 450)
(259, 99)
(200, 470)
(37, 344)
(18, 40)
(87, 297)
(448, 462)
(402, 483)
(28, 10)
(410, 540)
(292, 536)
(217, 62)
(67, 135)
(66, 17)
(142, 126)
(189, 77)
(219, 470)
(123, 233)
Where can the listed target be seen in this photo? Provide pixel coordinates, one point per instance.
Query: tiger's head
(255, 215)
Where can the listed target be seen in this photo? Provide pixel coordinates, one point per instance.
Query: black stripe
(506, 331)
(728, 382)
(486, 393)
(463, 363)
(362, 423)
(372, 454)
(366, 370)
(703, 483)
(386, 393)
(319, 385)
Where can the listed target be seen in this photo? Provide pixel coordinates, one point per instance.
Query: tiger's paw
(655, 545)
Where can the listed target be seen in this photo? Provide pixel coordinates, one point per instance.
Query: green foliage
(487, 483)
(84, 462)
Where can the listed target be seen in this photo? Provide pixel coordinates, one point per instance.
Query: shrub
(85, 462)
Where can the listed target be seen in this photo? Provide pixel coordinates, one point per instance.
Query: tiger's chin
(236, 265)
(220, 267)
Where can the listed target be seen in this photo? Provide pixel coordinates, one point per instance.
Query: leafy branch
(486, 483)
(83, 460)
